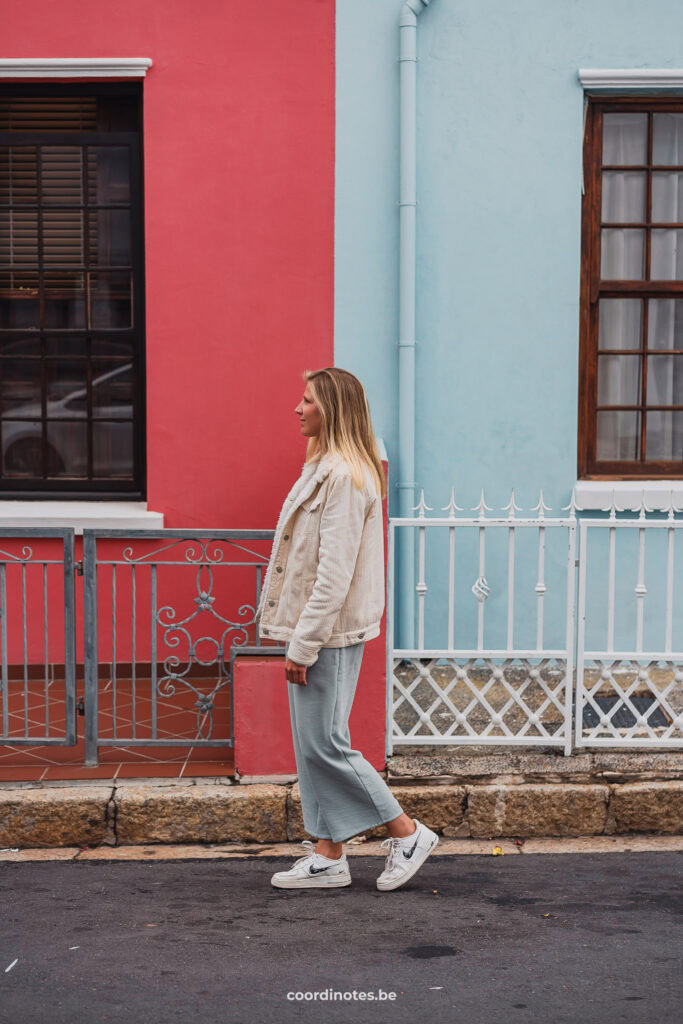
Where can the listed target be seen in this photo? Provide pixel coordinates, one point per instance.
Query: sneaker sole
(311, 883)
(398, 882)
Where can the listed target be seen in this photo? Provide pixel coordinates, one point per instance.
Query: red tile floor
(121, 707)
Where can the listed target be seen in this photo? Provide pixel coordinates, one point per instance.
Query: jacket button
(278, 568)
(271, 603)
(265, 631)
(361, 635)
(286, 537)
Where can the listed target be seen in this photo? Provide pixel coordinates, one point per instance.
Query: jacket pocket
(312, 504)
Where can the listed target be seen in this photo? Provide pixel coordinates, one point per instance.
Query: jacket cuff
(302, 654)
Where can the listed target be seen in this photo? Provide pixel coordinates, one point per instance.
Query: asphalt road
(554, 939)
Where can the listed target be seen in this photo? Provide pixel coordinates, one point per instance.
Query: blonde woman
(323, 595)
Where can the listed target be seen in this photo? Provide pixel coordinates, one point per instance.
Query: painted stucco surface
(238, 177)
(500, 117)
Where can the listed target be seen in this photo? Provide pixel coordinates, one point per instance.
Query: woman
(324, 595)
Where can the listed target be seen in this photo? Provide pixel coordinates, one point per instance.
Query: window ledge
(74, 67)
(91, 515)
(628, 494)
(631, 78)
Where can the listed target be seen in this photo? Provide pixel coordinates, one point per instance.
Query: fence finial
(613, 508)
(482, 506)
(451, 507)
(643, 507)
(541, 507)
(422, 507)
(511, 506)
(672, 508)
(572, 507)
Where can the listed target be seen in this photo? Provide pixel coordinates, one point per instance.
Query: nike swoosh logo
(316, 871)
(409, 853)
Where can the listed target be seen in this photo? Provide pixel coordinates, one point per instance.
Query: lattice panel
(442, 700)
(624, 700)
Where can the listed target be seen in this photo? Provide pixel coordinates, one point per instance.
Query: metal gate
(37, 637)
(629, 685)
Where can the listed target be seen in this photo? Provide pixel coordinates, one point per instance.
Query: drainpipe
(406, 315)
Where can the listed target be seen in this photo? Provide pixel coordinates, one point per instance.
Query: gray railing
(164, 615)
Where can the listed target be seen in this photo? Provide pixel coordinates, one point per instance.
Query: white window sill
(91, 515)
(628, 494)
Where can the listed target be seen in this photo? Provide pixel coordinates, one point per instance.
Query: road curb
(139, 812)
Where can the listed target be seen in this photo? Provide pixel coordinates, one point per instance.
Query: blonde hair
(345, 424)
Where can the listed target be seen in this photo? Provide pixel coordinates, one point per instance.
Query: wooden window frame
(592, 289)
(114, 488)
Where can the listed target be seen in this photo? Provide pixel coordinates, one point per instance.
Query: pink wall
(239, 203)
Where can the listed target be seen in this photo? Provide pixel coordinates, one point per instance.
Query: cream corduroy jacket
(324, 585)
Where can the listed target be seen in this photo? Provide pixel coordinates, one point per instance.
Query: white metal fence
(498, 634)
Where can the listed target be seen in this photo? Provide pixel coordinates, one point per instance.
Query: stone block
(56, 816)
(437, 807)
(649, 807)
(537, 810)
(192, 814)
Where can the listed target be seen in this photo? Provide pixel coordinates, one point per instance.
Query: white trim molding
(628, 494)
(74, 67)
(631, 78)
(92, 515)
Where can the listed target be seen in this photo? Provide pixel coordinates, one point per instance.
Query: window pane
(665, 435)
(20, 381)
(13, 347)
(667, 197)
(112, 390)
(18, 175)
(624, 139)
(667, 139)
(110, 299)
(63, 236)
(67, 448)
(623, 196)
(21, 448)
(66, 345)
(18, 237)
(19, 299)
(618, 380)
(113, 449)
(48, 113)
(665, 323)
(622, 254)
(121, 348)
(108, 174)
(666, 255)
(61, 174)
(618, 435)
(109, 237)
(66, 382)
(621, 323)
(665, 380)
(64, 299)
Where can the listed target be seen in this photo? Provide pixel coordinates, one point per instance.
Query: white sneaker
(314, 872)
(406, 856)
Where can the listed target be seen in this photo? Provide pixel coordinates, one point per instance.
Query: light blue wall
(500, 116)
(500, 112)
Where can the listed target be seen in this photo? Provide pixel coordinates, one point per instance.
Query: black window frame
(64, 488)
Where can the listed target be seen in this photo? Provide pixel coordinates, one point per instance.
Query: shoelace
(394, 845)
(309, 856)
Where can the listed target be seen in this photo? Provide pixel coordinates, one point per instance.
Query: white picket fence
(501, 592)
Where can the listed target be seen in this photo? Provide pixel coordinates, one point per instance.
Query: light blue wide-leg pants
(341, 793)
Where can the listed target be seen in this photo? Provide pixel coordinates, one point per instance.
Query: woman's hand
(295, 673)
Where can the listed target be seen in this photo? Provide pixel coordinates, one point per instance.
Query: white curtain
(622, 258)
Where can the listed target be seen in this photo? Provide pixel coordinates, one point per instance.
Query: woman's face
(309, 415)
